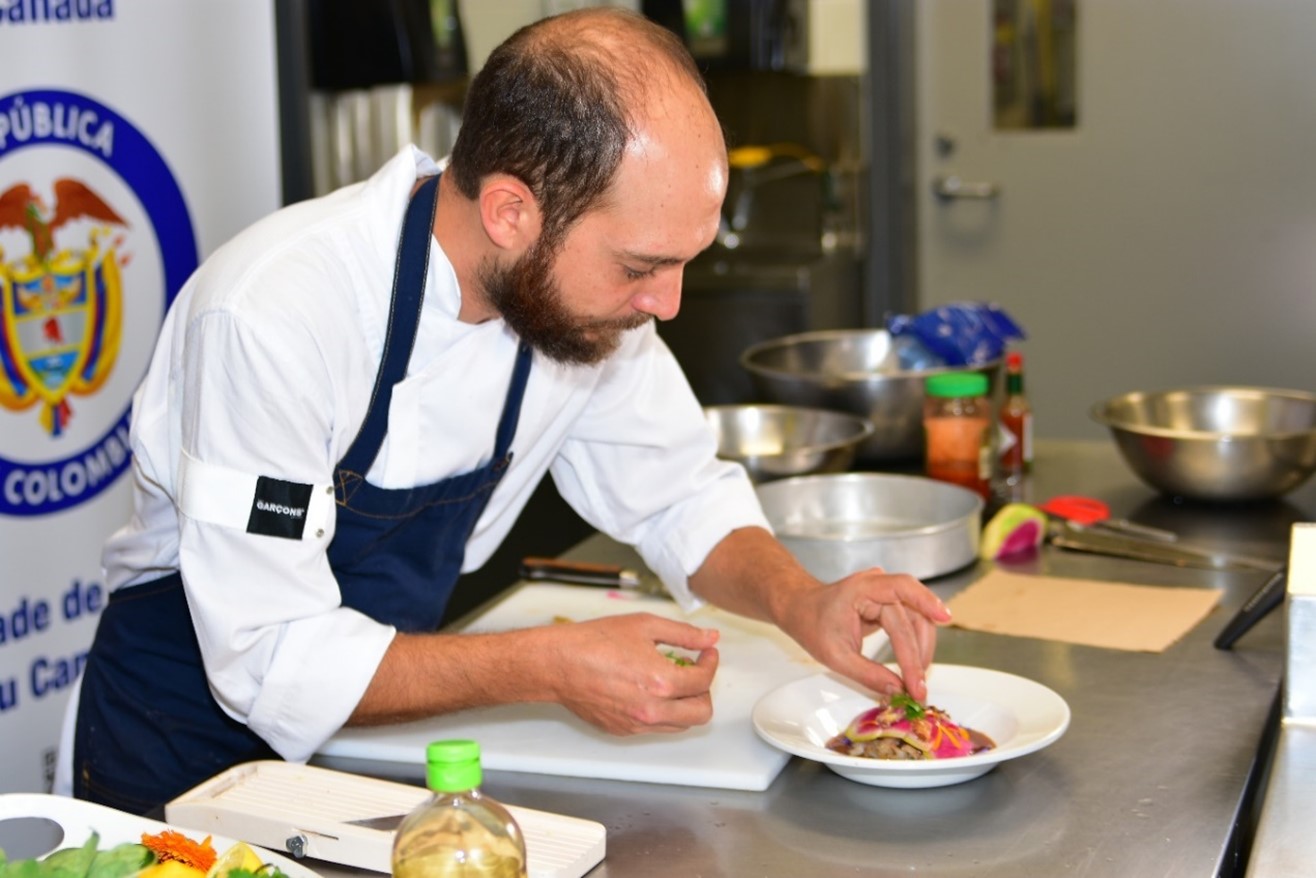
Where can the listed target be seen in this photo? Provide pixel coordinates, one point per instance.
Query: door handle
(950, 187)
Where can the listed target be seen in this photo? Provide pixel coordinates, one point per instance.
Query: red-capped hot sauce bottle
(1017, 421)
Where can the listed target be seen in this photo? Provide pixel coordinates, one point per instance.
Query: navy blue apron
(147, 726)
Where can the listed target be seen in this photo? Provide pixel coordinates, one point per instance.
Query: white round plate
(1020, 715)
(78, 820)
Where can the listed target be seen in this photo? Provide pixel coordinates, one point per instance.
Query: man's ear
(509, 212)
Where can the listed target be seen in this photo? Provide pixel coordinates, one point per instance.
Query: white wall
(1170, 239)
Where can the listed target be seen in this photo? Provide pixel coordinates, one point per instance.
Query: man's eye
(637, 274)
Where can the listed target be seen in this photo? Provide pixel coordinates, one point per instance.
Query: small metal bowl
(774, 441)
(856, 371)
(836, 525)
(1215, 443)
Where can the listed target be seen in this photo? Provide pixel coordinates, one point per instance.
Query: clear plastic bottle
(958, 423)
(458, 832)
(1017, 423)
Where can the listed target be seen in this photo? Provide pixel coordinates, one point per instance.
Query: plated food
(77, 838)
(164, 854)
(1020, 716)
(901, 728)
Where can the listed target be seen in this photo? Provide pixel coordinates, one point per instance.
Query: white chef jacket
(265, 367)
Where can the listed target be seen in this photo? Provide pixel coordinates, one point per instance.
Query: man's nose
(662, 297)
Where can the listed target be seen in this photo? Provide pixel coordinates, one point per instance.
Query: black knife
(1263, 600)
(588, 573)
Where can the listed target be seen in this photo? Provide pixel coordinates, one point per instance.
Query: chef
(353, 399)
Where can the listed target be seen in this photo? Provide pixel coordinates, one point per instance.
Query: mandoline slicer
(331, 815)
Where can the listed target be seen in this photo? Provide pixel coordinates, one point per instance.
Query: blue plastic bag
(959, 334)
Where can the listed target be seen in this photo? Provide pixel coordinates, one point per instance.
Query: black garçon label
(278, 508)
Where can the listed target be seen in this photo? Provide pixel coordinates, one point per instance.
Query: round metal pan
(838, 524)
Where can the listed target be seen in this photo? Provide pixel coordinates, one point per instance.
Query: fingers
(676, 716)
(912, 669)
(682, 677)
(674, 697)
(927, 642)
(641, 673)
(906, 610)
(689, 702)
(904, 628)
(911, 625)
(904, 589)
(682, 634)
(929, 605)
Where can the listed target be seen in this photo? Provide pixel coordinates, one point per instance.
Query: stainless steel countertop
(1285, 846)
(1152, 777)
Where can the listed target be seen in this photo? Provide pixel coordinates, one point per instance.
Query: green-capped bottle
(458, 832)
(958, 425)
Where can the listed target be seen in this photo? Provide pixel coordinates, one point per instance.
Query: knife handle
(1263, 600)
(534, 562)
(581, 572)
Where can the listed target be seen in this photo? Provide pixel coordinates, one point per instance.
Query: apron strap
(512, 406)
(403, 319)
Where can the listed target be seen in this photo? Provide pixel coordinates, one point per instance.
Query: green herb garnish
(913, 710)
(678, 660)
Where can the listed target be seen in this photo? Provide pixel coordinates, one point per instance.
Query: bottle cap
(952, 384)
(453, 766)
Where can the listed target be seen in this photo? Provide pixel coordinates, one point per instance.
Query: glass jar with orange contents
(957, 420)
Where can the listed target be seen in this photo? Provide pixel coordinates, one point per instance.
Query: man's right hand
(615, 673)
(612, 672)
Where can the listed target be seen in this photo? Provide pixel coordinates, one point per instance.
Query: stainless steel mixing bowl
(850, 370)
(838, 524)
(773, 441)
(1215, 443)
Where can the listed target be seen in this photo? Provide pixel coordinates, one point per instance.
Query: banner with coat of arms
(136, 136)
(59, 309)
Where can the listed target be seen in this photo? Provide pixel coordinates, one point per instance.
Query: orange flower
(170, 845)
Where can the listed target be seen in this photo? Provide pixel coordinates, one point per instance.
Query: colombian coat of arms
(60, 308)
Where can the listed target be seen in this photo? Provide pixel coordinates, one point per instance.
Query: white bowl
(1019, 715)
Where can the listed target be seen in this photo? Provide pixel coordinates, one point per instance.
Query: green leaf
(71, 862)
(913, 710)
(121, 860)
(22, 869)
(268, 870)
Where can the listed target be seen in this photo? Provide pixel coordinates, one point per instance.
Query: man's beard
(530, 301)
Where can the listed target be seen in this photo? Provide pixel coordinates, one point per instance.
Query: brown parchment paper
(1115, 615)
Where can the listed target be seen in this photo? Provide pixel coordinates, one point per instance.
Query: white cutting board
(755, 658)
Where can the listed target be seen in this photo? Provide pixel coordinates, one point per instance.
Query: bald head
(561, 102)
(633, 49)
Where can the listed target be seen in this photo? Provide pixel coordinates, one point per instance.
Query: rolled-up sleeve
(641, 466)
(281, 653)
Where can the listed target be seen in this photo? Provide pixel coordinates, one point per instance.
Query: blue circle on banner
(31, 488)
